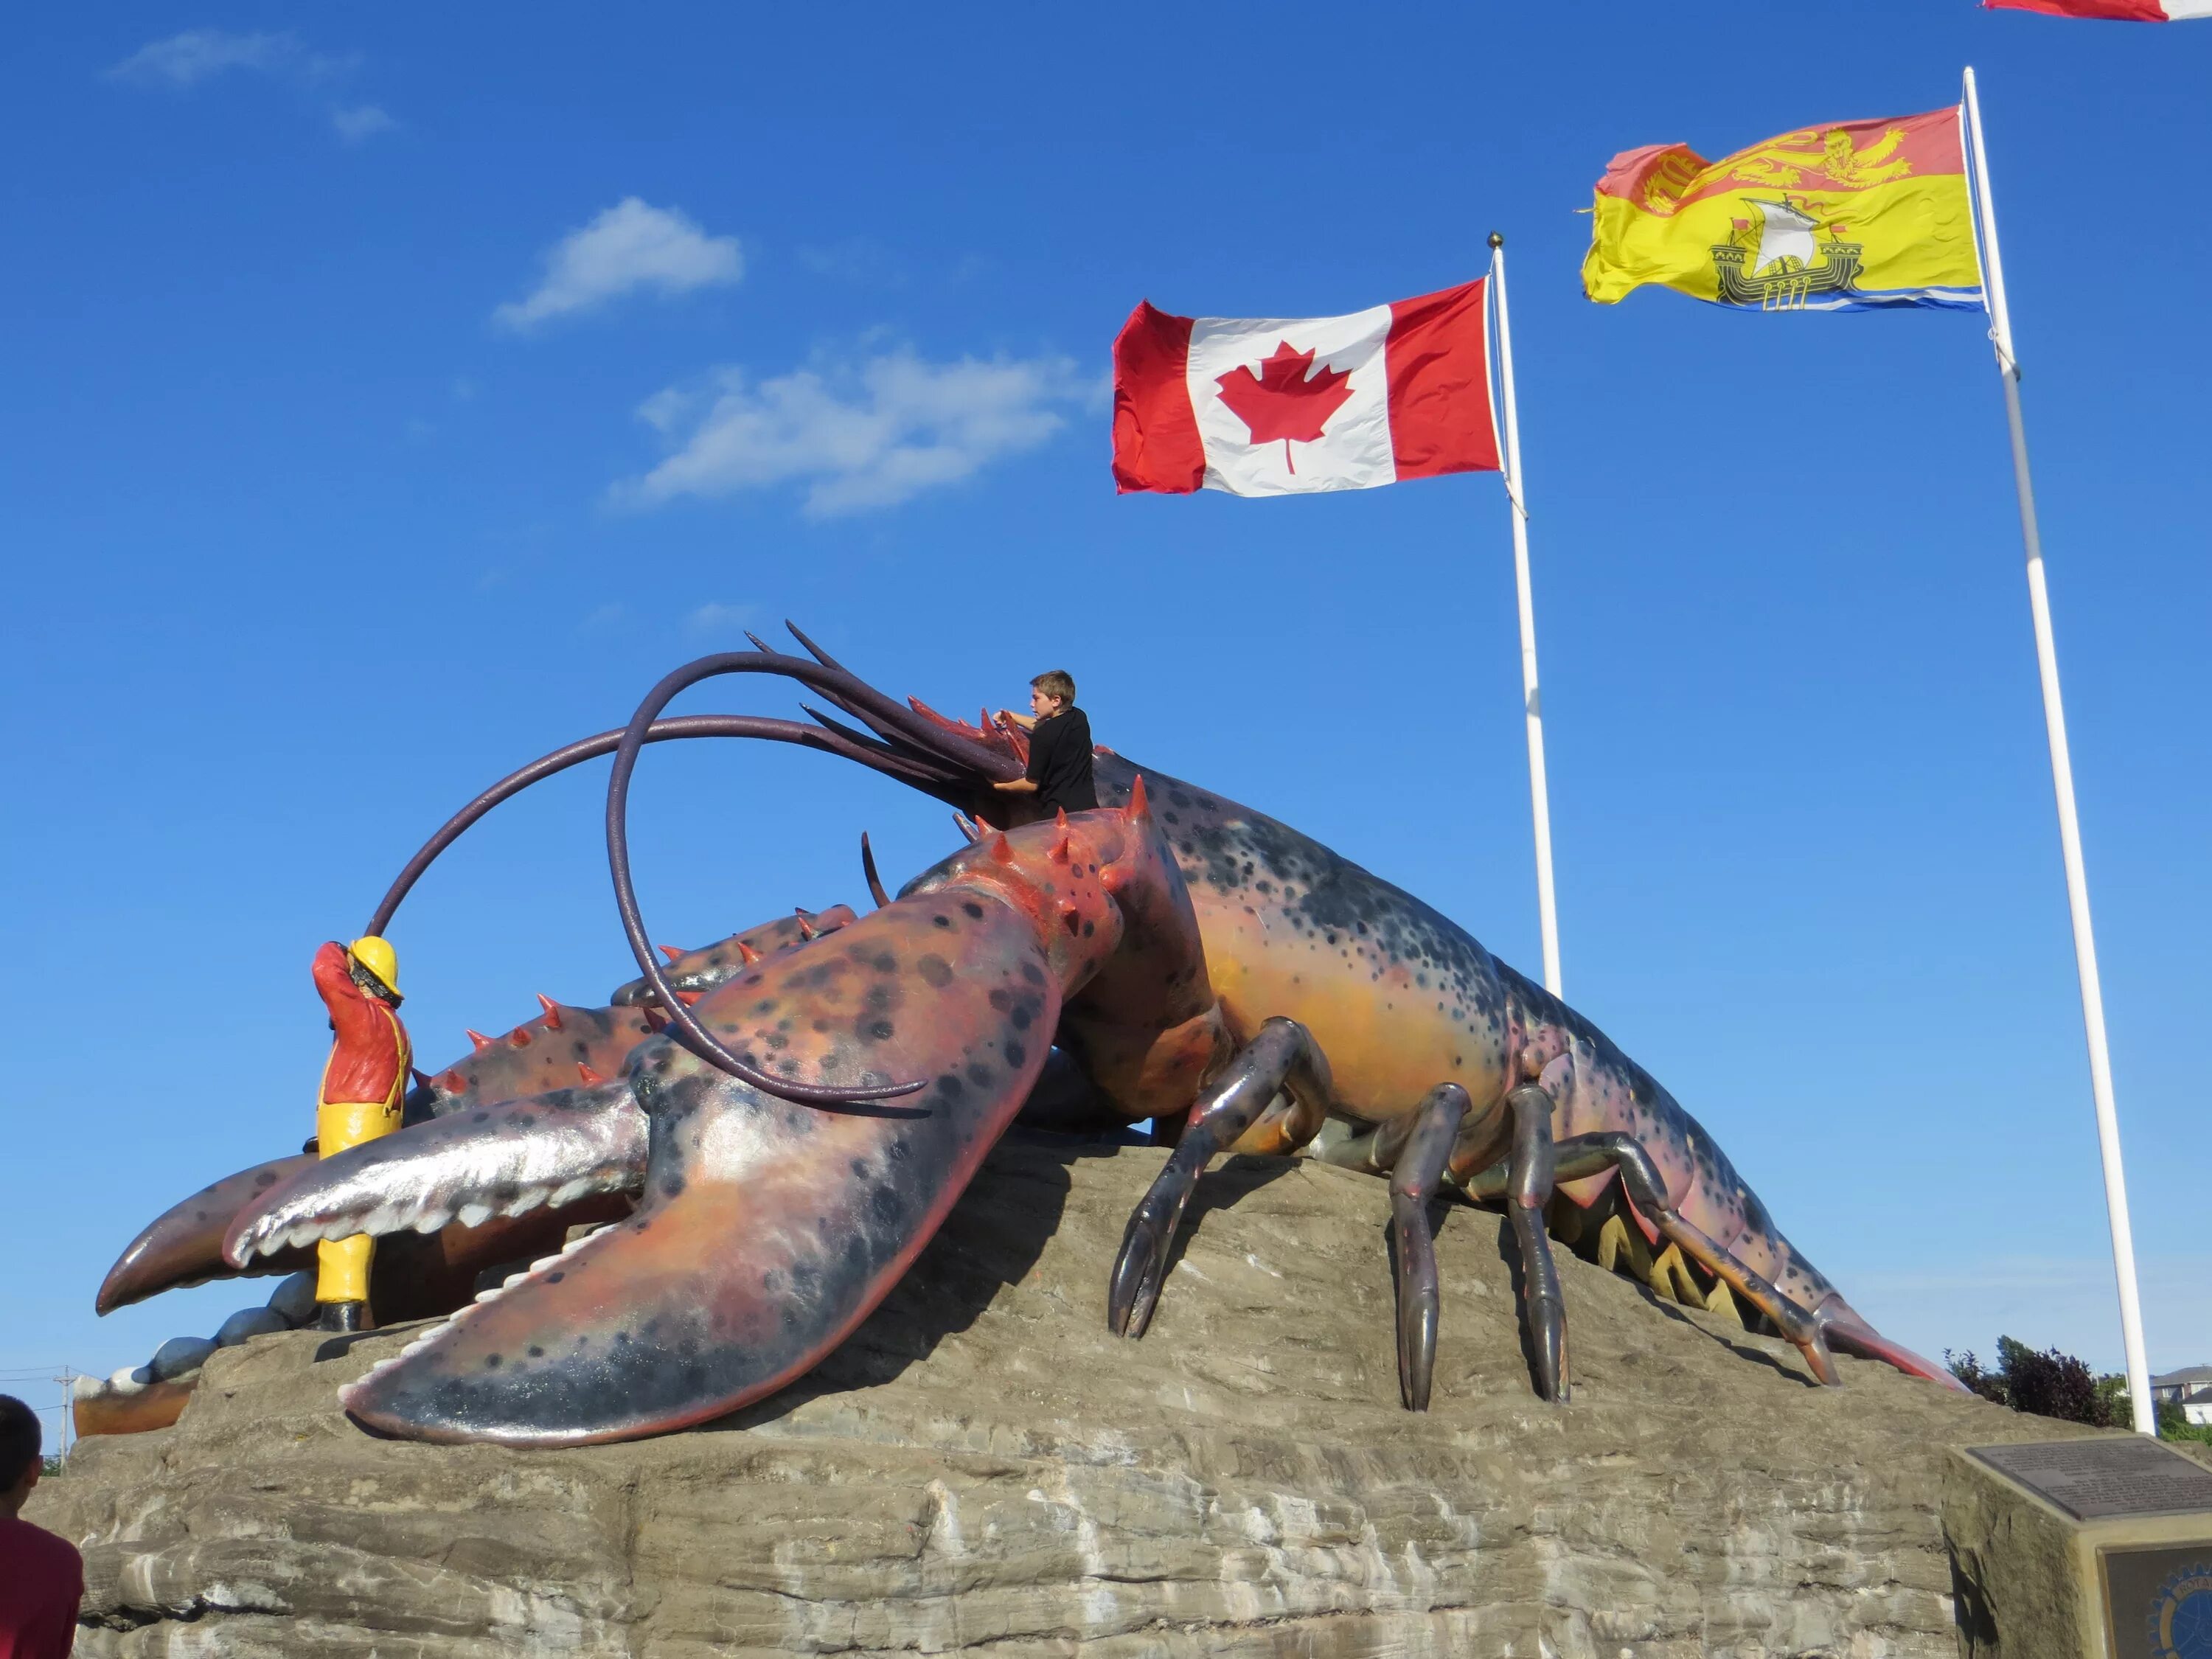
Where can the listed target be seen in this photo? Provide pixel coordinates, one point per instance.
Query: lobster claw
(183, 1245)
(506, 1160)
(767, 1229)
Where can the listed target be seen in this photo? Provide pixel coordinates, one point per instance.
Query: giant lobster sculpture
(771, 1128)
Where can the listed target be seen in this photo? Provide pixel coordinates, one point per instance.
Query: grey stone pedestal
(2096, 1548)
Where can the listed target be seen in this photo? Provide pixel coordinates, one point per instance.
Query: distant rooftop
(2187, 1374)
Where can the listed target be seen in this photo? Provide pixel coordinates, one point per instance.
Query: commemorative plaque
(2097, 1547)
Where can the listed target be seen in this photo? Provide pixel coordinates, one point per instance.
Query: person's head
(1052, 693)
(375, 968)
(19, 1444)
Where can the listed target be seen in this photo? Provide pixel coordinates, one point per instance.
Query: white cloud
(359, 121)
(861, 435)
(717, 618)
(185, 60)
(630, 245)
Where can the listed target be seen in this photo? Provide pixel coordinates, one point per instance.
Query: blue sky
(392, 397)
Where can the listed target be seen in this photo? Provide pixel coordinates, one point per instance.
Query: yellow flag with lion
(1857, 216)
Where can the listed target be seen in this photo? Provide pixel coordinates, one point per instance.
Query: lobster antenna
(697, 1038)
(868, 869)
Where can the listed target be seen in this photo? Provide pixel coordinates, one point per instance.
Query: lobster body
(1401, 998)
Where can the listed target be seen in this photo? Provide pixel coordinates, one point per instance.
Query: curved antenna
(916, 769)
(868, 869)
(847, 693)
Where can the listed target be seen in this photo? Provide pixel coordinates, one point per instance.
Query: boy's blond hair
(1057, 682)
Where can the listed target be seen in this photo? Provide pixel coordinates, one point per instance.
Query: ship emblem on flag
(1861, 216)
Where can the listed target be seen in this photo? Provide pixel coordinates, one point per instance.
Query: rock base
(984, 1468)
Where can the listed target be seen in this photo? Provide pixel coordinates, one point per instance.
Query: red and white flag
(2125, 11)
(1267, 406)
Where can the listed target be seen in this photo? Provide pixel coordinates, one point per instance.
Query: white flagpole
(1546, 908)
(2062, 777)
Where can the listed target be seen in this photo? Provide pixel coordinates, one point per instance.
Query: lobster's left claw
(710, 965)
(184, 1244)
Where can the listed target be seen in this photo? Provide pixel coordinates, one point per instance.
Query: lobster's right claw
(551, 1149)
(767, 1229)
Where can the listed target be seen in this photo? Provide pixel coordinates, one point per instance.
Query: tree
(2047, 1384)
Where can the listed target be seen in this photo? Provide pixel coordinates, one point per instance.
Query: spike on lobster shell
(966, 826)
(748, 953)
(552, 1011)
(942, 722)
(520, 1037)
(687, 998)
(806, 928)
(1138, 808)
(1000, 849)
(672, 953)
(588, 1074)
(452, 1082)
(479, 1040)
(1060, 844)
(421, 1077)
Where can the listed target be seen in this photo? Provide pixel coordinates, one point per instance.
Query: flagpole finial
(1496, 240)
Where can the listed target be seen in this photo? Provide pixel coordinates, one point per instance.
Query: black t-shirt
(1060, 762)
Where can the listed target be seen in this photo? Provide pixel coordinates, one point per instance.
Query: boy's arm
(1040, 747)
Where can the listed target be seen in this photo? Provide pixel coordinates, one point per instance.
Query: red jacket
(369, 1060)
(41, 1582)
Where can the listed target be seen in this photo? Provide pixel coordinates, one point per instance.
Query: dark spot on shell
(1016, 1055)
(935, 970)
(972, 908)
(491, 1362)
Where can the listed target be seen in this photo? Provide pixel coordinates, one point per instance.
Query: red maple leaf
(1281, 401)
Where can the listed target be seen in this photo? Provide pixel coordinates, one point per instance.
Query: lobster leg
(1525, 1179)
(1413, 1177)
(1592, 1154)
(1284, 1053)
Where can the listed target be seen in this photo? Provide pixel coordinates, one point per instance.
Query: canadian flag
(2126, 11)
(1272, 406)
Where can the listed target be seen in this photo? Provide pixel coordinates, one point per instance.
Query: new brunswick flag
(1861, 216)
